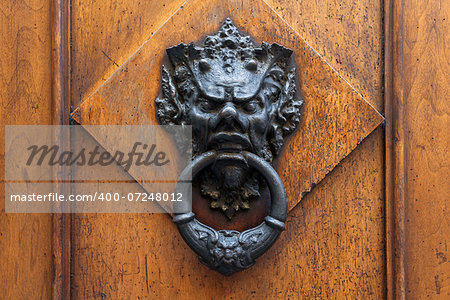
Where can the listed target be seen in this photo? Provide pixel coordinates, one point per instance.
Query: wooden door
(365, 171)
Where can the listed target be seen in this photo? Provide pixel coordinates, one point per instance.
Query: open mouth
(229, 141)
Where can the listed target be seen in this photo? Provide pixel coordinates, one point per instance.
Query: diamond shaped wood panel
(335, 119)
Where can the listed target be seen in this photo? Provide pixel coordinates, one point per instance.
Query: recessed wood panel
(425, 90)
(25, 98)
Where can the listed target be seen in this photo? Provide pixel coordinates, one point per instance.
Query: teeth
(230, 147)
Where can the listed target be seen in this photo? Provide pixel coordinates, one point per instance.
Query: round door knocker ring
(229, 251)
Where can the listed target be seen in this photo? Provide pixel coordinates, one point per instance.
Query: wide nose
(228, 112)
(229, 119)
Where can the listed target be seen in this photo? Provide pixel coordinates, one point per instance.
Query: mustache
(230, 138)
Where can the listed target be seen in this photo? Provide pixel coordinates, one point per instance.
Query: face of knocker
(238, 97)
(231, 124)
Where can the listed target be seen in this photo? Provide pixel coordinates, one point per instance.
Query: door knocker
(241, 101)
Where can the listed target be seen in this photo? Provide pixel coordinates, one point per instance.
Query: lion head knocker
(238, 96)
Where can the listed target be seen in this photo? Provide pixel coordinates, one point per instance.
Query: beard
(230, 188)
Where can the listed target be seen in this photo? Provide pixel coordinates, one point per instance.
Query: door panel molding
(60, 61)
(417, 160)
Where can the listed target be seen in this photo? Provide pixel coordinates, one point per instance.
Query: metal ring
(230, 251)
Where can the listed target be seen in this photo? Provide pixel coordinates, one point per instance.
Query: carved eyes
(249, 107)
(204, 66)
(206, 105)
(251, 65)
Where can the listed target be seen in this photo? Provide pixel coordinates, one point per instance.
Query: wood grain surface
(334, 244)
(335, 118)
(332, 247)
(418, 156)
(110, 31)
(347, 238)
(25, 98)
(348, 34)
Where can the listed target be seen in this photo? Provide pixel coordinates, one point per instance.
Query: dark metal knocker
(241, 101)
(229, 251)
